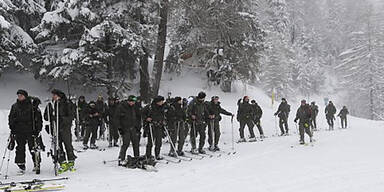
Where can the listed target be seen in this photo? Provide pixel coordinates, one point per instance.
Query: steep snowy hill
(342, 160)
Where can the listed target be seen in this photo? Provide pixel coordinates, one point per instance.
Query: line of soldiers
(307, 115)
(174, 118)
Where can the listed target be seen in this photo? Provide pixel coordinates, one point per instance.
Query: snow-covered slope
(342, 160)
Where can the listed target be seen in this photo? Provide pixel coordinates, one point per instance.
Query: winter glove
(295, 120)
(275, 114)
(47, 128)
(121, 132)
(306, 125)
(11, 142)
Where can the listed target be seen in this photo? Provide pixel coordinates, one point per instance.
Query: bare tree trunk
(144, 78)
(161, 41)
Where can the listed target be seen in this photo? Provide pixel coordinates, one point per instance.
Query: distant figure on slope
(343, 117)
(330, 112)
(283, 113)
(304, 115)
(245, 115)
(315, 111)
(258, 112)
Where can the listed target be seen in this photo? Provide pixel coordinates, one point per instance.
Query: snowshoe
(211, 148)
(201, 151)
(85, 147)
(115, 145)
(110, 145)
(302, 143)
(242, 140)
(216, 148)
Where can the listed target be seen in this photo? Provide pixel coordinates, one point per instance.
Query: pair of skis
(35, 185)
(54, 129)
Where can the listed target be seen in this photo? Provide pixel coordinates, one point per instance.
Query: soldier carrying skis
(215, 110)
(283, 113)
(304, 115)
(25, 122)
(60, 110)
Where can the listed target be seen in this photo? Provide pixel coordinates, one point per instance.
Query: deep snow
(342, 160)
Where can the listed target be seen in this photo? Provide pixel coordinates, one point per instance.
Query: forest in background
(289, 47)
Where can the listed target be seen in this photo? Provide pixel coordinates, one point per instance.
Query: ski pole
(171, 142)
(233, 137)
(151, 133)
(212, 132)
(276, 132)
(5, 153)
(8, 160)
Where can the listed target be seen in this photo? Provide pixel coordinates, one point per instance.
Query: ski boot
(194, 151)
(252, 139)
(158, 157)
(242, 140)
(172, 154)
(85, 146)
(71, 166)
(63, 167)
(115, 144)
(282, 134)
(21, 168)
(311, 139)
(180, 153)
(302, 142)
(93, 146)
(201, 151)
(36, 169)
(211, 148)
(262, 137)
(216, 148)
(110, 145)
